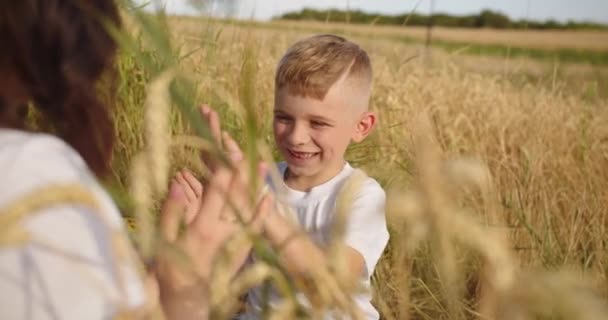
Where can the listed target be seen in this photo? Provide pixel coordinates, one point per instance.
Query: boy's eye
(282, 118)
(318, 124)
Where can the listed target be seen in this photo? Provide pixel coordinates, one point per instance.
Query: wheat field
(497, 180)
(570, 39)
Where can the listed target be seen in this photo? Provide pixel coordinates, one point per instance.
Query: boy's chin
(302, 171)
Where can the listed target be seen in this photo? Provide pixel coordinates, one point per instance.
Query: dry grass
(545, 147)
(594, 40)
(494, 183)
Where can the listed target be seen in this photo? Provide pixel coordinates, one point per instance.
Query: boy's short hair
(312, 65)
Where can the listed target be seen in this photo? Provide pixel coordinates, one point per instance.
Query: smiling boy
(322, 92)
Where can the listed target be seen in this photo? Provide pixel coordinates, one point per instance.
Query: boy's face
(312, 135)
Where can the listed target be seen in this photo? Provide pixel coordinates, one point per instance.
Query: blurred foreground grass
(496, 185)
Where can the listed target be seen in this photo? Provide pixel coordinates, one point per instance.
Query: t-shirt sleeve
(366, 229)
(71, 266)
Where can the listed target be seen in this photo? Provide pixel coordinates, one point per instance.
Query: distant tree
(485, 19)
(552, 24)
(491, 19)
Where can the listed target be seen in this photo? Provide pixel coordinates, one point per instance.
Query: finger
(214, 125)
(239, 206)
(263, 210)
(213, 121)
(196, 186)
(262, 175)
(193, 182)
(204, 110)
(232, 147)
(244, 194)
(188, 191)
(191, 214)
(172, 211)
(214, 198)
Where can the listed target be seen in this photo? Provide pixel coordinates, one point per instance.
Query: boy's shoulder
(352, 183)
(361, 186)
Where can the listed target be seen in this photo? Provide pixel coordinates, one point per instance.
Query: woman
(53, 54)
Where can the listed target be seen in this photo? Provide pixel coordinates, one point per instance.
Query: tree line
(485, 19)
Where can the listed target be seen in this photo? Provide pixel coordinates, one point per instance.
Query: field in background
(576, 58)
(566, 46)
(541, 129)
(596, 40)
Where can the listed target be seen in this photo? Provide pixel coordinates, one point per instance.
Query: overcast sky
(561, 10)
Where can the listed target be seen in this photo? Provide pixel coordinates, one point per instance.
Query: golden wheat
(506, 176)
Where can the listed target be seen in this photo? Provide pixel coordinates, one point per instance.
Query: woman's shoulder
(37, 152)
(34, 161)
(34, 167)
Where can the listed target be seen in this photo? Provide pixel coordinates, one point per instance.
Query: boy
(323, 87)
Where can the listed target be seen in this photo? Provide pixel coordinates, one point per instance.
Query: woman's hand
(209, 216)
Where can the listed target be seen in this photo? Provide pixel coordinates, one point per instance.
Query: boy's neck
(306, 183)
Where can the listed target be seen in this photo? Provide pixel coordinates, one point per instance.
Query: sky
(561, 10)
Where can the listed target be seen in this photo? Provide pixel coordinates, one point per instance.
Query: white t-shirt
(365, 231)
(67, 270)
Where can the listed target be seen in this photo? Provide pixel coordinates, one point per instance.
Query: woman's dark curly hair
(53, 54)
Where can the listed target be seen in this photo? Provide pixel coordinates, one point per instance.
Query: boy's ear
(365, 126)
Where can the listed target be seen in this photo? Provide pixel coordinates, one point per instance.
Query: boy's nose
(298, 135)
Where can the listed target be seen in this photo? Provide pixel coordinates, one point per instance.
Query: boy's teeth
(302, 155)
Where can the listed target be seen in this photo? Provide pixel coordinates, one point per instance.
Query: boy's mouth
(301, 155)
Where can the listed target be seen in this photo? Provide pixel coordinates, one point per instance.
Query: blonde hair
(312, 65)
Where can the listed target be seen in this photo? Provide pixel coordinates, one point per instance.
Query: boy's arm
(299, 253)
(365, 238)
